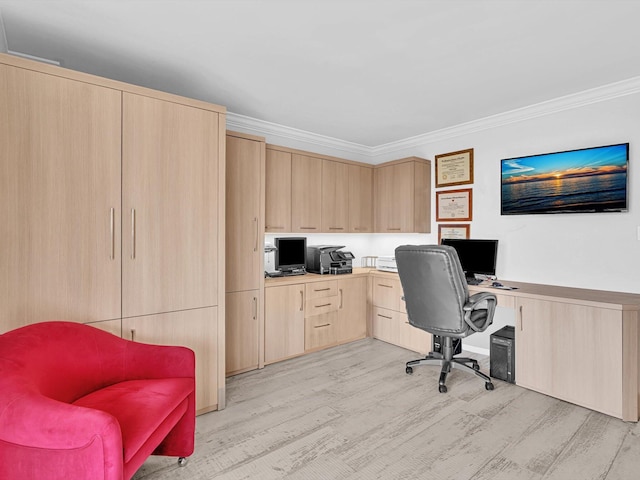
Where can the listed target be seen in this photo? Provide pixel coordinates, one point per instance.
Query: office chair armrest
(474, 303)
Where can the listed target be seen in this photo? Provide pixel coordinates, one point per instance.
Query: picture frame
(453, 230)
(454, 168)
(454, 205)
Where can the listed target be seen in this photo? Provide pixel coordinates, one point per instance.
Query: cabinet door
(412, 338)
(394, 197)
(360, 199)
(244, 214)
(352, 309)
(278, 191)
(170, 203)
(242, 331)
(196, 329)
(572, 352)
(306, 194)
(59, 199)
(335, 197)
(320, 330)
(283, 322)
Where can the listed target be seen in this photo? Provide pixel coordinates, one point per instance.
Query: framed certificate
(455, 168)
(454, 205)
(460, 230)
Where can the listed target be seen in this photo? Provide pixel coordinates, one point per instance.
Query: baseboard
(473, 349)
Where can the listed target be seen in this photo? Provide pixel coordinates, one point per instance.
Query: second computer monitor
(476, 256)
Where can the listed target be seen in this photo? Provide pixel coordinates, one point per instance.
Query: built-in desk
(574, 344)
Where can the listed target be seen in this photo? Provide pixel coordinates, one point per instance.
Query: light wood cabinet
(196, 329)
(113, 196)
(283, 322)
(389, 317)
(306, 194)
(59, 199)
(278, 191)
(572, 352)
(360, 199)
(245, 174)
(170, 200)
(335, 197)
(245, 211)
(352, 309)
(321, 314)
(402, 196)
(242, 344)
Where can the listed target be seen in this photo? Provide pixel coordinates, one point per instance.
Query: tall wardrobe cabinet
(112, 207)
(245, 214)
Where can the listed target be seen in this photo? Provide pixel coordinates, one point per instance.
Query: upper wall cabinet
(306, 194)
(402, 196)
(278, 191)
(311, 193)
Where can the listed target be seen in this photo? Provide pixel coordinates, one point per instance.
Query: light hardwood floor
(351, 412)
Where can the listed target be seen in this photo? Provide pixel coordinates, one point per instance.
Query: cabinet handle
(384, 316)
(385, 286)
(301, 300)
(324, 325)
(336, 228)
(340, 290)
(323, 305)
(112, 227)
(393, 229)
(322, 289)
(133, 233)
(308, 228)
(272, 227)
(255, 308)
(133, 334)
(520, 317)
(255, 247)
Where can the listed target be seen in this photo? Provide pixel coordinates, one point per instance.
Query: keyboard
(474, 281)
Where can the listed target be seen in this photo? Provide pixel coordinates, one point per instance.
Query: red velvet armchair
(77, 403)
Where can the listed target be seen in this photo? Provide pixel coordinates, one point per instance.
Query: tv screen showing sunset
(585, 180)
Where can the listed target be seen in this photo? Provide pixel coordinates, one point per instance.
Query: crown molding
(369, 154)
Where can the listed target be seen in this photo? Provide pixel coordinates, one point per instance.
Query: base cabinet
(351, 323)
(572, 352)
(242, 331)
(196, 329)
(283, 322)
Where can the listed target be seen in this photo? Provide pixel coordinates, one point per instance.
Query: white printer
(387, 263)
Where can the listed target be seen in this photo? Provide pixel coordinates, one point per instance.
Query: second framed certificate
(454, 205)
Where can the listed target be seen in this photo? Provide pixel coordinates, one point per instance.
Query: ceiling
(368, 72)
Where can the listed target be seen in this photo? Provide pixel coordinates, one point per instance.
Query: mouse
(497, 284)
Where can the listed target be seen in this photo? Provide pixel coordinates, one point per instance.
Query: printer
(325, 259)
(387, 263)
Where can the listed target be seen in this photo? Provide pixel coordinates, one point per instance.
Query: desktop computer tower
(503, 355)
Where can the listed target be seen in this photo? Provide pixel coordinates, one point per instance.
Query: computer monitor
(291, 253)
(476, 256)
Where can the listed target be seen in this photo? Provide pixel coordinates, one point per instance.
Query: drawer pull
(273, 227)
(336, 228)
(385, 286)
(393, 229)
(320, 326)
(322, 289)
(308, 228)
(384, 316)
(323, 305)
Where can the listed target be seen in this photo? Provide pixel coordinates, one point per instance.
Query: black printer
(325, 259)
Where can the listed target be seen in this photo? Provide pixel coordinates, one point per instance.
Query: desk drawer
(387, 293)
(318, 306)
(320, 330)
(321, 289)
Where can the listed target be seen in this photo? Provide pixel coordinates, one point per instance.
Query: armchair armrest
(158, 361)
(476, 302)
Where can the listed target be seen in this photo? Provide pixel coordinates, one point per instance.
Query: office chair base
(461, 363)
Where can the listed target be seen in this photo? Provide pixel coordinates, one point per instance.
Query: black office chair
(438, 301)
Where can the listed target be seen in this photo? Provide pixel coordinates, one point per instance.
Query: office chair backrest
(435, 288)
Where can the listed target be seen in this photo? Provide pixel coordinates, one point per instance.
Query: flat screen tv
(477, 256)
(575, 181)
(291, 253)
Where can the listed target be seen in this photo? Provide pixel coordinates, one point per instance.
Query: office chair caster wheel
(408, 370)
(476, 367)
(182, 461)
(442, 389)
(488, 386)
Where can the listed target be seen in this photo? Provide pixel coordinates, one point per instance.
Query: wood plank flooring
(350, 412)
